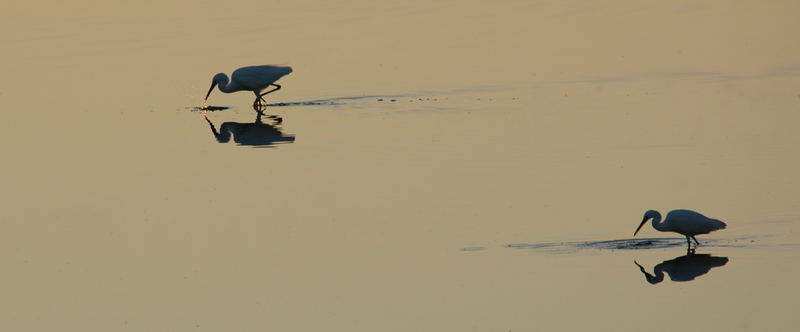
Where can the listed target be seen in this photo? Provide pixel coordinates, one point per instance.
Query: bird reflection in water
(683, 268)
(256, 134)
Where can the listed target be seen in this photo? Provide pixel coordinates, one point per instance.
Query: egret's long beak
(213, 85)
(644, 220)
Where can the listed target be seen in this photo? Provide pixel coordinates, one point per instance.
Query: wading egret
(686, 222)
(251, 78)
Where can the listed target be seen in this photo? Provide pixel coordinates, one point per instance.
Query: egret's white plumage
(251, 78)
(686, 222)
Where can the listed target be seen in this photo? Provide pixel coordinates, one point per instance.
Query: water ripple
(634, 244)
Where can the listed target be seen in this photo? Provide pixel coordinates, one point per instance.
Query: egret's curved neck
(658, 225)
(651, 278)
(222, 137)
(659, 277)
(225, 85)
(225, 131)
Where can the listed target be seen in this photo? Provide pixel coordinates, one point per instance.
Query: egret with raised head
(251, 78)
(686, 222)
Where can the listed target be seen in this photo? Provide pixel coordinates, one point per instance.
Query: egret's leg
(277, 87)
(688, 243)
(695, 240)
(258, 105)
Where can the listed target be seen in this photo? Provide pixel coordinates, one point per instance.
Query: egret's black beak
(213, 85)
(644, 220)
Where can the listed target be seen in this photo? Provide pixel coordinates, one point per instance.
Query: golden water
(455, 166)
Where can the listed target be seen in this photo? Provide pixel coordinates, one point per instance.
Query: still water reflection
(683, 268)
(253, 134)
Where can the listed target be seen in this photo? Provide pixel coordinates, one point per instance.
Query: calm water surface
(428, 166)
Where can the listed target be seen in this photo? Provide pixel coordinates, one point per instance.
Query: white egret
(251, 78)
(686, 222)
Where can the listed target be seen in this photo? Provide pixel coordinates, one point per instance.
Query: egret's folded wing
(259, 77)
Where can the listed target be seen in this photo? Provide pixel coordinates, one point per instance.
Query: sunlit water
(442, 166)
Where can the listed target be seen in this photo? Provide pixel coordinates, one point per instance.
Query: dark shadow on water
(208, 108)
(475, 248)
(633, 244)
(255, 134)
(428, 96)
(339, 100)
(315, 102)
(623, 244)
(683, 268)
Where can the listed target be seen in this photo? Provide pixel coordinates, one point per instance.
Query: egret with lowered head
(251, 78)
(686, 222)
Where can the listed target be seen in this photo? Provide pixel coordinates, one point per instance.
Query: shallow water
(442, 166)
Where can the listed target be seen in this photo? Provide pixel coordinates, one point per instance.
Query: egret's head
(218, 78)
(650, 214)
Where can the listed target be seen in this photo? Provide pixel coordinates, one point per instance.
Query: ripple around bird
(635, 244)
(428, 97)
(208, 108)
(315, 102)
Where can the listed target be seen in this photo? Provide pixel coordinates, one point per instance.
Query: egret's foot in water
(259, 105)
(689, 249)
